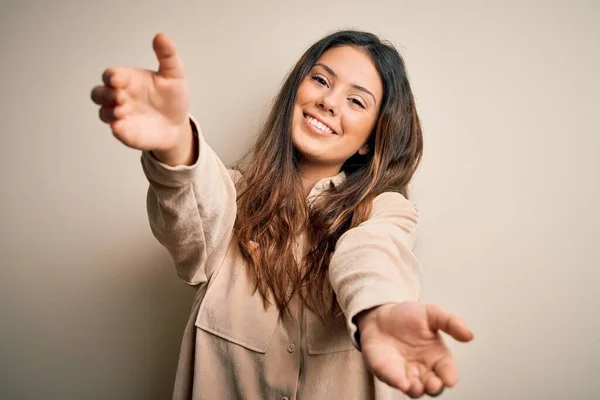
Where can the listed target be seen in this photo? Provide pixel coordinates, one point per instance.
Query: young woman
(307, 286)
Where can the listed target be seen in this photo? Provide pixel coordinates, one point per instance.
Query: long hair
(272, 206)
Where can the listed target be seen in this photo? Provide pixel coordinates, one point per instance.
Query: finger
(169, 63)
(388, 365)
(111, 114)
(122, 111)
(434, 386)
(394, 376)
(440, 319)
(103, 95)
(446, 370)
(118, 128)
(413, 373)
(107, 115)
(416, 388)
(117, 78)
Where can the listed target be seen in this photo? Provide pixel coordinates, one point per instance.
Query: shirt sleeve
(373, 264)
(191, 210)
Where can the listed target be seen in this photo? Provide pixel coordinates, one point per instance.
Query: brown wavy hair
(272, 206)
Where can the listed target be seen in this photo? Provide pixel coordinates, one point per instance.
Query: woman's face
(336, 108)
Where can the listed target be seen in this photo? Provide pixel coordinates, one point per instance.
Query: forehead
(353, 66)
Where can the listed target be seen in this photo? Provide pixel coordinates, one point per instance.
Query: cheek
(297, 121)
(357, 126)
(297, 115)
(302, 93)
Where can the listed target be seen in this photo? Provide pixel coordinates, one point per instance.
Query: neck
(311, 174)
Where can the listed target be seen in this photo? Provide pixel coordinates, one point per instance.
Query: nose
(328, 103)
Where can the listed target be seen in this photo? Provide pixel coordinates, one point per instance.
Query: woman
(307, 284)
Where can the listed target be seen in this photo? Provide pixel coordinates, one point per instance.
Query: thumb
(440, 319)
(169, 63)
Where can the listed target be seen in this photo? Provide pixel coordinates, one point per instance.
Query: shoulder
(393, 219)
(394, 214)
(393, 203)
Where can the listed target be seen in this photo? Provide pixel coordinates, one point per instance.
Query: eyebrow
(354, 85)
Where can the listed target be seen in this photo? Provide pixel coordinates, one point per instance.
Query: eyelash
(358, 103)
(318, 79)
(323, 82)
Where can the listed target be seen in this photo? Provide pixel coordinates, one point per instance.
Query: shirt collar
(323, 184)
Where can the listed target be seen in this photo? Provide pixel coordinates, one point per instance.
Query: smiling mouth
(318, 125)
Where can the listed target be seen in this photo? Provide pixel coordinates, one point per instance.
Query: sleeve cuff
(177, 176)
(365, 302)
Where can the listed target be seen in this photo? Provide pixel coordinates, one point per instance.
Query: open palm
(402, 346)
(146, 109)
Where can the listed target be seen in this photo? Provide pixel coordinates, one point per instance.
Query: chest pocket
(327, 337)
(231, 311)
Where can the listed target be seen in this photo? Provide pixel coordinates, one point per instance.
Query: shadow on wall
(110, 329)
(144, 324)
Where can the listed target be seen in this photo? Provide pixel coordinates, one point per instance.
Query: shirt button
(285, 398)
(291, 347)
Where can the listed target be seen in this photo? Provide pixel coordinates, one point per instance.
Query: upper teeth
(322, 127)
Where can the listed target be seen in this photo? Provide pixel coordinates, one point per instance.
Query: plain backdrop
(508, 93)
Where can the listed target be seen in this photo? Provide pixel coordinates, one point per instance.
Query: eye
(319, 79)
(357, 102)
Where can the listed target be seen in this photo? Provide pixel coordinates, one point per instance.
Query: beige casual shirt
(232, 348)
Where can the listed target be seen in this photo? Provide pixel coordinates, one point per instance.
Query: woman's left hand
(402, 346)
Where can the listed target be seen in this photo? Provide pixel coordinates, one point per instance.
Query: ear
(363, 151)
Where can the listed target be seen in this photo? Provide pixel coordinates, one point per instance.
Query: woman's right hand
(148, 110)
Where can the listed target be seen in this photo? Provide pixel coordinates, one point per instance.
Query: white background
(508, 92)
